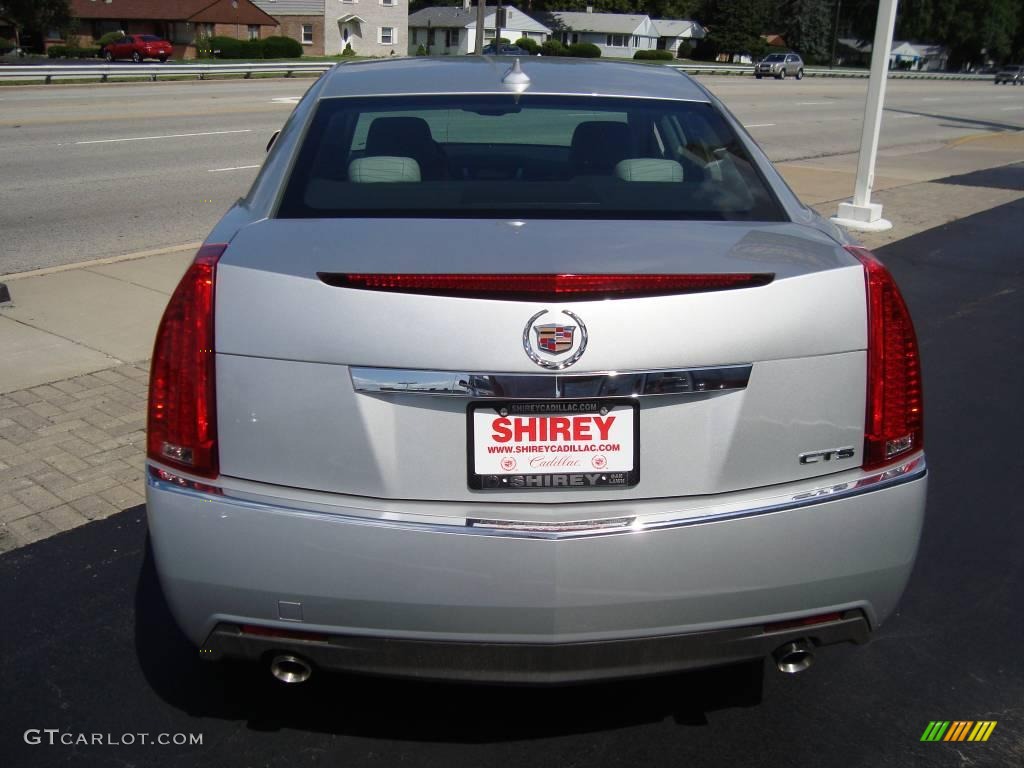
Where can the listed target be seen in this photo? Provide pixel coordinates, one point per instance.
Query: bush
(204, 47)
(421, 51)
(87, 52)
(584, 51)
(348, 50)
(653, 55)
(707, 50)
(553, 48)
(109, 38)
(685, 49)
(57, 51)
(278, 47)
(250, 49)
(6, 45)
(226, 47)
(528, 45)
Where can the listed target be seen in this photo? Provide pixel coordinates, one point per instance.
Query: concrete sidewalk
(75, 341)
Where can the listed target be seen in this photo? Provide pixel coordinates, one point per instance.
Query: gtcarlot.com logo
(958, 730)
(55, 736)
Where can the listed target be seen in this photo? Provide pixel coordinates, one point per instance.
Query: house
(452, 29)
(302, 20)
(672, 32)
(618, 35)
(179, 21)
(370, 27)
(903, 55)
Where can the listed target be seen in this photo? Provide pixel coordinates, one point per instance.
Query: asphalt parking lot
(88, 646)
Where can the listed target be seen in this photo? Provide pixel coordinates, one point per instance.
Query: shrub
(528, 45)
(6, 45)
(250, 49)
(707, 50)
(421, 51)
(553, 48)
(57, 51)
(584, 51)
(226, 47)
(348, 50)
(204, 47)
(109, 38)
(278, 47)
(685, 49)
(653, 55)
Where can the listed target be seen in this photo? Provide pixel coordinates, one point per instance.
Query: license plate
(526, 445)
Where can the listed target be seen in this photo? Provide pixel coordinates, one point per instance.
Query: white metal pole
(861, 214)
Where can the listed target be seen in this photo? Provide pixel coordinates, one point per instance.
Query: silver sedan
(529, 372)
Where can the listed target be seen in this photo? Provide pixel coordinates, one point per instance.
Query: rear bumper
(508, 604)
(534, 663)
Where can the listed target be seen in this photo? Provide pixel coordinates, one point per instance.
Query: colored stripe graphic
(935, 730)
(982, 730)
(958, 730)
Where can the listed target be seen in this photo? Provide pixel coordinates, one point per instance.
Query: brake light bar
(545, 287)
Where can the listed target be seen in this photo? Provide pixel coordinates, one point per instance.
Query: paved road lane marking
(1010, 109)
(759, 125)
(931, 98)
(169, 136)
(812, 103)
(236, 168)
(286, 100)
(908, 117)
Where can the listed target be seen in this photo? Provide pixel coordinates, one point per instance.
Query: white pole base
(863, 218)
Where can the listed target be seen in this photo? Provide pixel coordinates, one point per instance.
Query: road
(89, 648)
(91, 171)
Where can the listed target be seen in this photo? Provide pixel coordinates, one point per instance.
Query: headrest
(649, 169)
(383, 170)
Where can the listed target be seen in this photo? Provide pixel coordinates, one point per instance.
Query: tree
(807, 27)
(36, 15)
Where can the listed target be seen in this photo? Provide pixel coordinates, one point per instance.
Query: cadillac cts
(529, 373)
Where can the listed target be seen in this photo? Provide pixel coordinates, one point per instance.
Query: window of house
(389, 2)
(452, 38)
(636, 41)
(617, 41)
(431, 34)
(206, 29)
(254, 32)
(387, 35)
(307, 34)
(488, 34)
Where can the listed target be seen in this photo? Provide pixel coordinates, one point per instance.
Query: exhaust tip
(290, 669)
(793, 657)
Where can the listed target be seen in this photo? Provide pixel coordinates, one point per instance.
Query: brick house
(302, 20)
(371, 27)
(179, 21)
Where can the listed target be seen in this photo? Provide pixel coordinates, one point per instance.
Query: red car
(137, 48)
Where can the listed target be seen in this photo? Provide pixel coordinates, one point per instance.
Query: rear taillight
(182, 423)
(895, 405)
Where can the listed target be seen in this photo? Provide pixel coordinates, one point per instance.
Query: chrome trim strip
(541, 386)
(912, 470)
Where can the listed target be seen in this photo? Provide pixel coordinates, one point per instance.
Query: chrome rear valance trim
(527, 386)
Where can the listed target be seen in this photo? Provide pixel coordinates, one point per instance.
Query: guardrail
(104, 72)
(748, 69)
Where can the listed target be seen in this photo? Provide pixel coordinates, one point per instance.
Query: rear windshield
(501, 156)
(775, 57)
(150, 38)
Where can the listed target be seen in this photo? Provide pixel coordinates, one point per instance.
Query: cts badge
(815, 457)
(555, 345)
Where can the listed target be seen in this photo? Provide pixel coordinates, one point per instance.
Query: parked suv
(779, 65)
(1013, 75)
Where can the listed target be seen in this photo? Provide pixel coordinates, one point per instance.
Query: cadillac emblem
(554, 345)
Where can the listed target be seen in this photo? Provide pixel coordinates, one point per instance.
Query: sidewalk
(75, 342)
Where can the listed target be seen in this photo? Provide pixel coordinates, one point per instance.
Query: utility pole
(499, 12)
(862, 214)
(835, 34)
(481, 15)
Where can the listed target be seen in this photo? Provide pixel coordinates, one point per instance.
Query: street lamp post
(862, 214)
